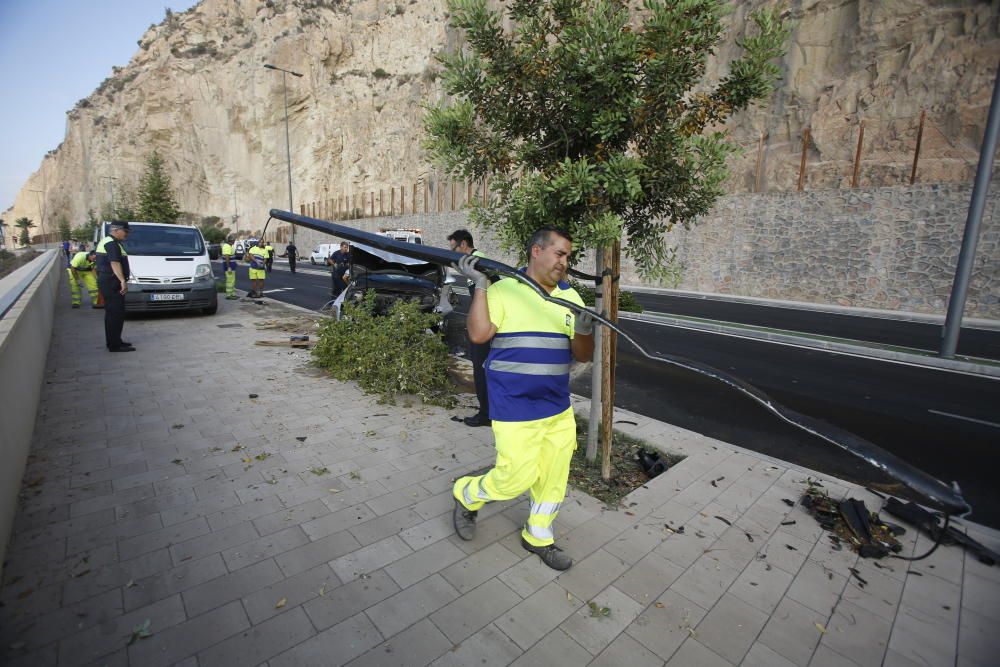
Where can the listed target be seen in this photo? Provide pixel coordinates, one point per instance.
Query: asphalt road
(944, 422)
(973, 342)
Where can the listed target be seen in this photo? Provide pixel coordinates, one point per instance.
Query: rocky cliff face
(196, 90)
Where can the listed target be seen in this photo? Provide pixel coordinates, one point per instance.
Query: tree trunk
(609, 283)
(594, 421)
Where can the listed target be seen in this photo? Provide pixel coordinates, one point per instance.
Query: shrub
(381, 74)
(387, 355)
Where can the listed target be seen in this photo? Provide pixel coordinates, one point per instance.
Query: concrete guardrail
(27, 309)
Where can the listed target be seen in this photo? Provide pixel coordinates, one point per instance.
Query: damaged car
(394, 277)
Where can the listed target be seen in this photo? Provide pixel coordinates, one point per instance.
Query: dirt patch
(626, 473)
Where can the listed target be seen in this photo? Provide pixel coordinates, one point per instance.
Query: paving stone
(434, 505)
(261, 641)
(294, 591)
(761, 656)
(175, 580)
(291, 516)
(185, 639)
(692, 652)
(648, 578)
(214, 542)
(114, 575)
(473, 570)
(107, 638)
(132, 547)
(420, 564)
(322, 550)
(385, 525)
(337, 521)
(762, 585)
(826, 657)
(129, 533)
(487, 531)
(230, 587)
(592, 574)
(556, 648)
(370, 558)
(705, 581)
(594, 633)
(37, 630)
(405, 608)
(202, 507)
(349, 599)
(817, 588)
(416, 646)
(977, 639)
(56, 530)
(664, 626)
(474, 610)
(637, 541)
(429, 531)
(264, 547)
(626, 651)
(537, 615)
(730, 628)
(528, 575)
(791, 631)
(879, 593)
(487, 648)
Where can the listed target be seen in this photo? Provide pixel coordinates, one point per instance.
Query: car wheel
(211, 310)
(312, 261)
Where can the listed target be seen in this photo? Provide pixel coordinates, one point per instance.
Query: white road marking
(278, 289)
(968, 419)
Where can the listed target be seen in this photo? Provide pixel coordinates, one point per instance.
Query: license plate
(166, 297)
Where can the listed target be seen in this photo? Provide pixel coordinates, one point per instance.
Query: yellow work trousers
(531, 456)
(230, 282)
(88, 280)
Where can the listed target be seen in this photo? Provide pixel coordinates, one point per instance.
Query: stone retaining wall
(888, 248)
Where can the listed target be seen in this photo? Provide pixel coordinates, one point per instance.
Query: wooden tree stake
(916, 153)
(802, 164)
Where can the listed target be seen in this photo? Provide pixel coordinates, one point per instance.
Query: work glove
(467, 267)
(584, 323)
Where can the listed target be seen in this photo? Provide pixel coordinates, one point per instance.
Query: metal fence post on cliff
(802, 164)
(960, 288)
(857, 155)
(760, 158)
(916, 152)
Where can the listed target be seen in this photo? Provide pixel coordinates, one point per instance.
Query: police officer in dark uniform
(112, 281)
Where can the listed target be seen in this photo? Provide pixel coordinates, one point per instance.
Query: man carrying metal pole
(527, 370)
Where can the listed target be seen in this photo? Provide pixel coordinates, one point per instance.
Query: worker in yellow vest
(229, 267)
(82, 270)
(270, 255)
(257, 256)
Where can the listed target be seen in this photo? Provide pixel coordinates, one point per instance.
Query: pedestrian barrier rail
(27, 309)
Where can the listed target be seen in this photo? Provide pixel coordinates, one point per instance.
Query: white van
(169, 267)
(322, 251)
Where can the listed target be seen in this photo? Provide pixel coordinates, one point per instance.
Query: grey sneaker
(551, 555)
(465, 521)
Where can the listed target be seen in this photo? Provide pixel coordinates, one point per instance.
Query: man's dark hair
(343, 243)
(543, 237)
(460, 235)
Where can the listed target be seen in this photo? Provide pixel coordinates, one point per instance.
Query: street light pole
(288, 146)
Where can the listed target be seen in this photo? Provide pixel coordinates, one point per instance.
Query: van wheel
(312, 261)
(211, 310)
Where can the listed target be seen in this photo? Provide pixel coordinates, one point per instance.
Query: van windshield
(144, 240)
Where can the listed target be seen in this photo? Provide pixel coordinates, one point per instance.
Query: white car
(321, 252)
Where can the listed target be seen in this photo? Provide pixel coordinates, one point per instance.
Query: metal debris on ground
(850, 522)
(928, 523)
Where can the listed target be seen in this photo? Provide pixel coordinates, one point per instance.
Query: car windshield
(144, 240)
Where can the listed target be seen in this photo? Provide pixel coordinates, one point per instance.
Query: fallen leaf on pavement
(140, 631)
(820, 627)
(281, 603)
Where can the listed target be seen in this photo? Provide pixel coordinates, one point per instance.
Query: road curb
(835, 346)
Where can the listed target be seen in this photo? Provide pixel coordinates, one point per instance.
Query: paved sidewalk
(311, 526)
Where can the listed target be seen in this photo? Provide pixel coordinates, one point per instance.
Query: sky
(52, 54)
